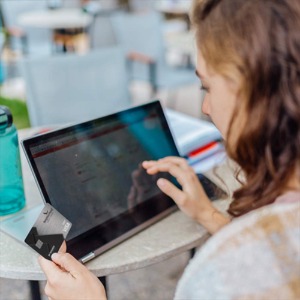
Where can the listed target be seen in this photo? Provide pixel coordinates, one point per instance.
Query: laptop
(91, 173)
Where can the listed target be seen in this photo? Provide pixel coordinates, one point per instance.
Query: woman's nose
(205, 106)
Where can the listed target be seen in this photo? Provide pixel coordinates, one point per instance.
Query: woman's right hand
(67, 278)
(192, 199)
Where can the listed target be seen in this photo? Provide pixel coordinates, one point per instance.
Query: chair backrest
(101, 32)
(73, 88)
(141, 32)
(141, 5)
(2, 43)
(39, 40)
(71, 3)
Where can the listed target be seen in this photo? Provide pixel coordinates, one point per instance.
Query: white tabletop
(170, 236)
(180, 7)
(62, 18)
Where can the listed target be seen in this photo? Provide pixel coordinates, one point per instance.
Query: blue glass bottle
(12, 196)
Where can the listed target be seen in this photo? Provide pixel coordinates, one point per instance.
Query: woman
(249, 66)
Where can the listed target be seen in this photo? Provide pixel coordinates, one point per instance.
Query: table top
(62, 18)
(170, 236)
(175, 7)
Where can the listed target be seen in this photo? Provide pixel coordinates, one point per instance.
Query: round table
(169, 237)
(66, 24)
(62, 18)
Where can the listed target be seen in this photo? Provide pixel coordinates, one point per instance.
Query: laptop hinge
(87, 257)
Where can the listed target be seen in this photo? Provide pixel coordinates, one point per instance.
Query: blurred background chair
(71, 88)
(2, 43)
(101, 32)
(141, 35)
(27, 40)
(71, 3)
(140, 5)
(13, 34)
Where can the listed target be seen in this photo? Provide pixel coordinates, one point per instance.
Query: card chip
(39, 244)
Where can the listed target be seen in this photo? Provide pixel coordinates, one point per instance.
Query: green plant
(19, 111)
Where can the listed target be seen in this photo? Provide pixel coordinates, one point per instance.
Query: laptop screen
(92, 174)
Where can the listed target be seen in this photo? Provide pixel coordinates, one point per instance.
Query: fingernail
(54, 256)
(161, 182)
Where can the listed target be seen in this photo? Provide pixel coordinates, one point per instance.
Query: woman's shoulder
(238, 260)
(289, 197)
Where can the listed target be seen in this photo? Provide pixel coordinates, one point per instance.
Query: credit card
(48, 232)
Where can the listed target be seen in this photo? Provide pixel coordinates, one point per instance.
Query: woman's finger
(181, 162)
(171, 190)
(63, 247)
(68, 263)
(183, 177)
(49, 268)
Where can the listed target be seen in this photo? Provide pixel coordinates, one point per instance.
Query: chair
(141, 35)
(71, 88)
(32, 40)
(71, 3)
(2, 42)
(101, 32)
(141, 5)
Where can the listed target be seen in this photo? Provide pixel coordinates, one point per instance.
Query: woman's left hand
(67, 278)
(192, 199)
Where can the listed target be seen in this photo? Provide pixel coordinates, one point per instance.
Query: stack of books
(196, 139)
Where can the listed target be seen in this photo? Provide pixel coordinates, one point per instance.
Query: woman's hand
(67, 278)
(192, 199)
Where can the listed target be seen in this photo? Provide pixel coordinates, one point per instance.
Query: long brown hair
(256, 43)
